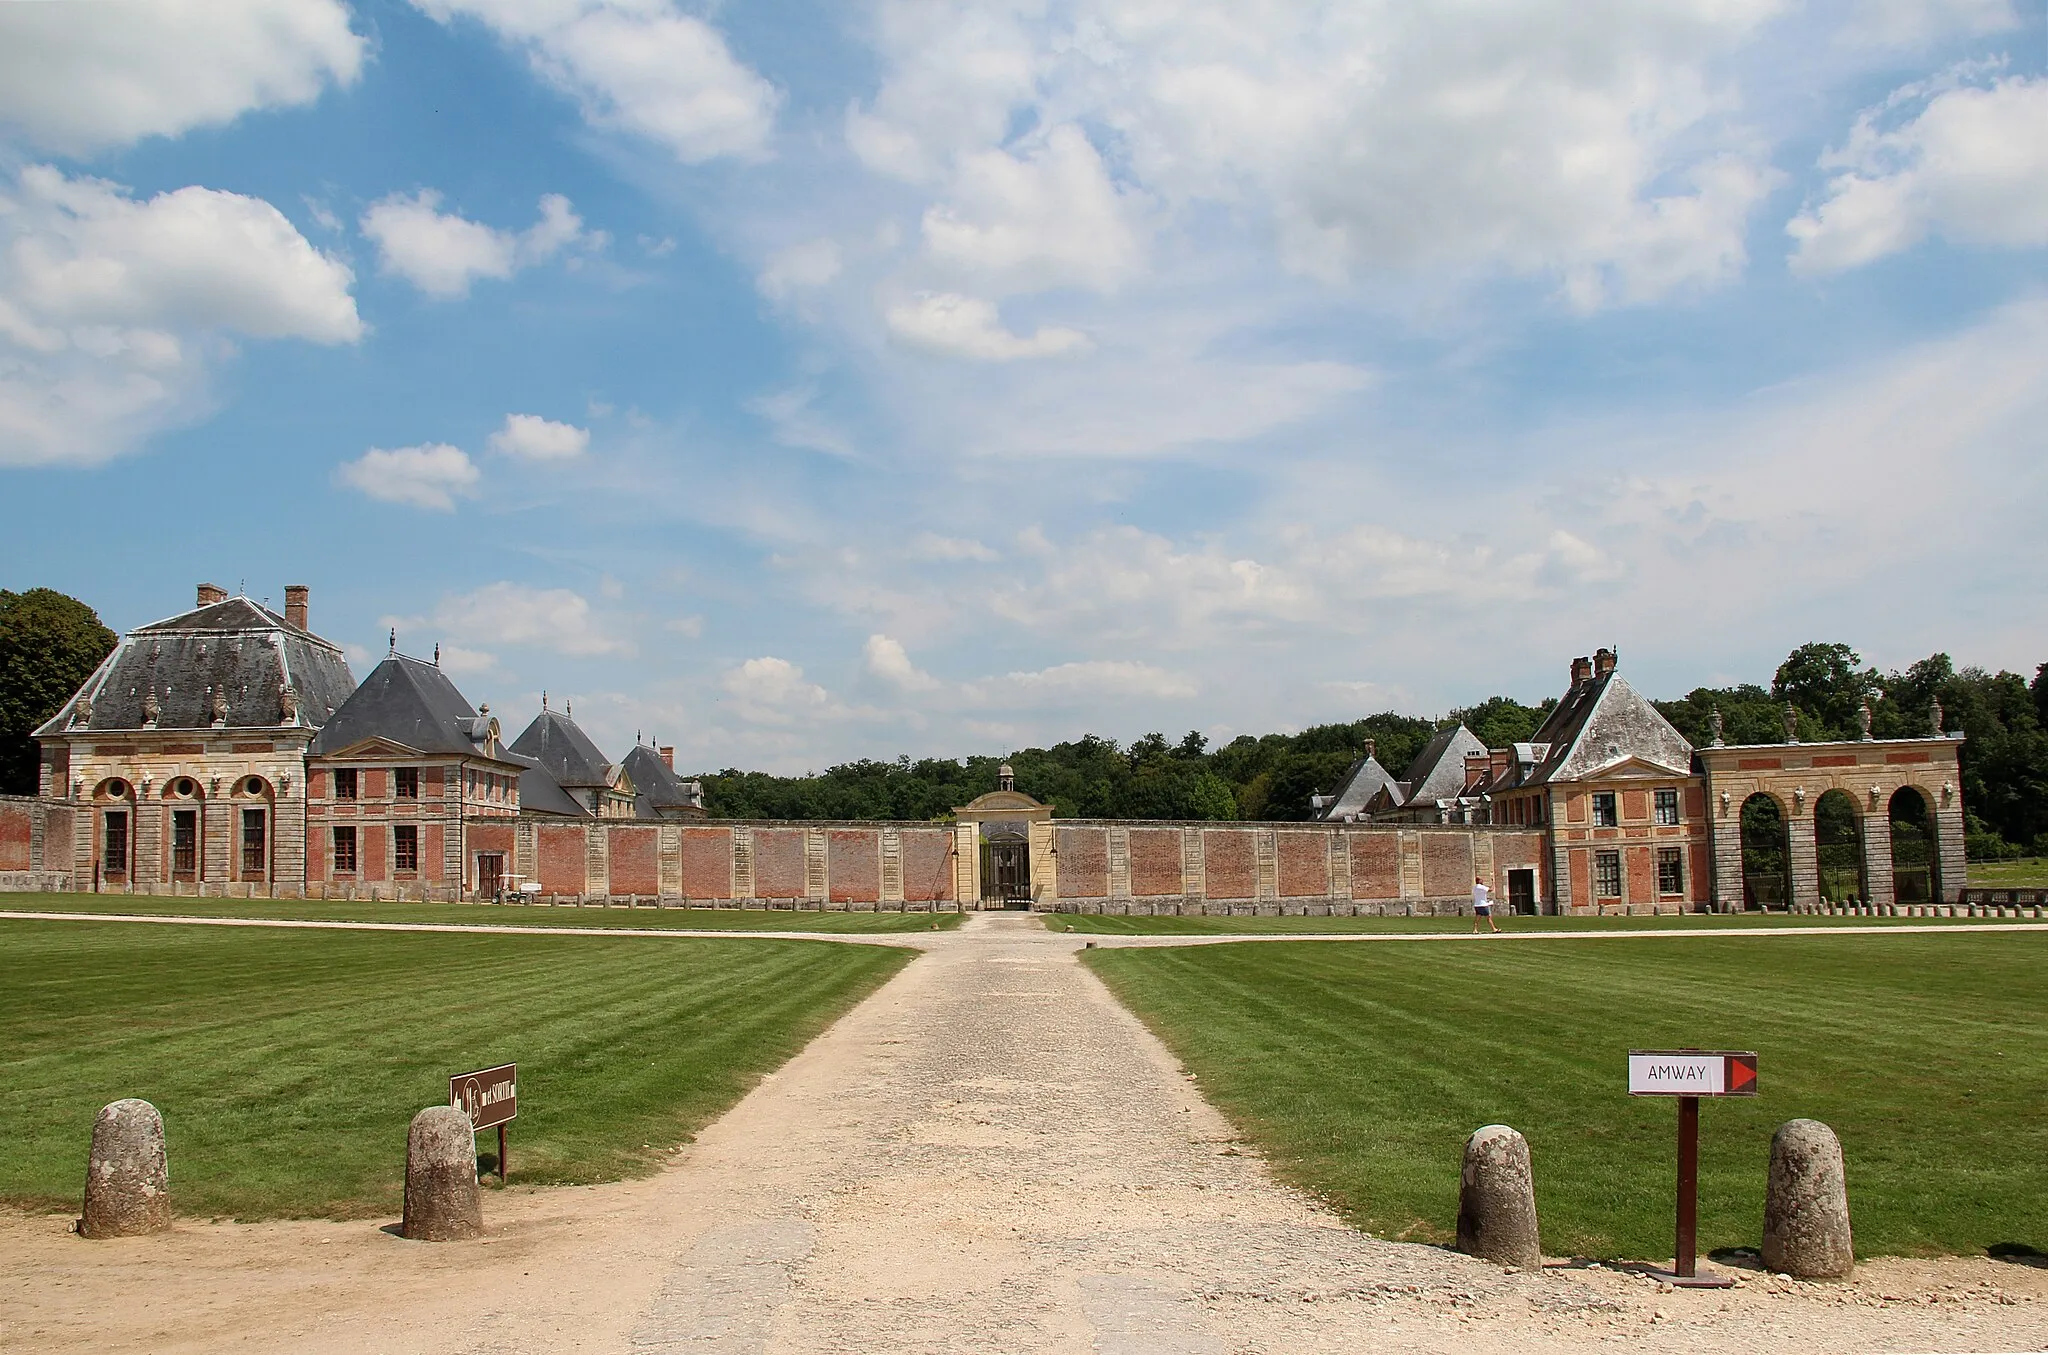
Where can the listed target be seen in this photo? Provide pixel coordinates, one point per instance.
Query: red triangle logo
(1741, 1074)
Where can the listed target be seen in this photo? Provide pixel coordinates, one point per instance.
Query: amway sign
(1691, 1072)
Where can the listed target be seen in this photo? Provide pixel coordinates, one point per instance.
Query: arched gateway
(1005, 851)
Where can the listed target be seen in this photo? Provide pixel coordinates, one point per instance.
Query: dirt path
(989, 1155)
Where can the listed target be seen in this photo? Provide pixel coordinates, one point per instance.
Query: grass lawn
(474, 914)
(2027, 873)
(1361, 1069)
(1208, 925)
(287, 1064)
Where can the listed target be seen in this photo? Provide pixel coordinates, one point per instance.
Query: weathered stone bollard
(442, 1200)
(1497, 1199)
(1806, 1205)
(128, 1179)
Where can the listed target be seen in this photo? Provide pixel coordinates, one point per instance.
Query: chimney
(295, 605)
(1603, 662)
(1477, 763)
(1582, 668)
(210, 593)
(668, 756)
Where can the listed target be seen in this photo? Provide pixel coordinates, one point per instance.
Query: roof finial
(394, 641)
(543, 699)
(437, 653)
(569, 707)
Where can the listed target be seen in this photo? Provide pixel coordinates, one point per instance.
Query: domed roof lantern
(1006, 779)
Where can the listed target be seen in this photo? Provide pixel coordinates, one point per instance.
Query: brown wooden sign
(489, 1096)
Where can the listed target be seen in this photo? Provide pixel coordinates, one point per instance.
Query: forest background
(50, 643)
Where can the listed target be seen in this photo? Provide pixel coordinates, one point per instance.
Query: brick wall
(1155, 862)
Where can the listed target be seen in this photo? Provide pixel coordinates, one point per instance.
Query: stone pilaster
(742, 863)
(1266, 853)
(670, 858)
(1045, 864)
(216, 835)
(817, 877)
(1410, 847)
(1340, 864)
(1804, 852)
(597, 858)
(967, 864)
(1119, 861)
(892, 865)
(1194, 869)
(1950, 866)
(1725, 842)
(1875, 828)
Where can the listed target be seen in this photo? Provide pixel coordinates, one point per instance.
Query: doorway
(1522, 893)
(490, 874)
(1008, 859)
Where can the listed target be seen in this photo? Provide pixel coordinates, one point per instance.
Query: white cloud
(793, 422)
(951, 325)
(81, 77)
(533, 438)
(773, 691)
(110, 307)
(1970, 166)
(1914, 23)
(465, 662)
(1588, 144)
(1070, 684)
(799, 268)
(930, 546)
(887, 660)
(431, 475)
(1050, 218)
(557, 620)
(442, 253)
(641, 66)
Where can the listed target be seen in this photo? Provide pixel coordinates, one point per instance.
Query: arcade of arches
(1801, 825)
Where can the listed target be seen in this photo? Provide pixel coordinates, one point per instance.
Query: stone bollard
(442, 1200)
(128, 1180)
(1497, 1199)
(1806, 1205)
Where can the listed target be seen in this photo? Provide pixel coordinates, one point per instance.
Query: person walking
(1482, 905)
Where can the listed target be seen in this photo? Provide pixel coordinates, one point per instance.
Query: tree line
(50, 643)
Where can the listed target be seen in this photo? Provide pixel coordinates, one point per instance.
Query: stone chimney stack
(668, 756)
(1603, 662)
(210, 593)
(295, 595)
(1582, 669)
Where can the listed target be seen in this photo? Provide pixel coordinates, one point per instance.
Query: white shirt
(1481, 896)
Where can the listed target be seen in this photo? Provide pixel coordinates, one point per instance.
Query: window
(254, 855)
(406, 783)
(1607, 875)
(1603, 809)
(344, 850)
(1667, 806)
(405, 846)
(344, 783)
(184, 842)
(1670, 870)
(115, 857)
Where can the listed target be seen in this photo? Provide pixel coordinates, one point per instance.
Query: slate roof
(413, 704)
(557, 743)
(1438, 772)
(540, 793)
(656, 786)
(1361, 782)
(237, 648)
(1600, 722)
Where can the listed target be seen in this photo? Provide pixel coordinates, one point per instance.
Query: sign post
(489, 1097)
(1689, 1074)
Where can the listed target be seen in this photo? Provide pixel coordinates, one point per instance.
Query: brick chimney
(210, 593)
(295, 595)
(1603, 662)
(668, 757)
(1582, 668)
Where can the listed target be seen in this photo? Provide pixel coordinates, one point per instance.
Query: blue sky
(796, 382)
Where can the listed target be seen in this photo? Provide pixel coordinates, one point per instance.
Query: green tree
(1829, 684)
(49, 646)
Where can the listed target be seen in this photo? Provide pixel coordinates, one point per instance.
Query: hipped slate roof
(411, 703)
(239, 650)
(1438, 772)
(656, 786)
(1360, 784)
(539, 793)
(1600, 722)
(557, 743)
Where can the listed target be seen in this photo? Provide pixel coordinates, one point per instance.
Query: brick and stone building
(403, 782)
(557, 745)
(183, 756)
(658, 792)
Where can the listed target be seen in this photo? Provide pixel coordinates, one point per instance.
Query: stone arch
(1765, 828)
(1915, 845)
(1838, 842)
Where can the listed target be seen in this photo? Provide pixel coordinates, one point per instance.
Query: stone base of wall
(35, 882)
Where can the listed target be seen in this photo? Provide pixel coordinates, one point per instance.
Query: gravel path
(989, 1155)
